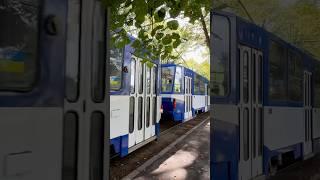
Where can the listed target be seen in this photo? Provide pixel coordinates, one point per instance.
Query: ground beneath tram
(121, 167)
(302, 170)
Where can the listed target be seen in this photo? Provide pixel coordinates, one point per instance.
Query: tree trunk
(205, 30)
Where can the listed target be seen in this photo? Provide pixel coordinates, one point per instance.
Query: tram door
(251, 113)
(307, 113)
(187, 98)
(142, 97)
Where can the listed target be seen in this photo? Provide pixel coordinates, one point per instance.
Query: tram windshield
(167, 78)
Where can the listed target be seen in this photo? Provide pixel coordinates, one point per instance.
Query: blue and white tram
(53, 102)
(184, 93)
(134, 101)
(265, 95)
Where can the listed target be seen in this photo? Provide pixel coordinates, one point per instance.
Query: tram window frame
(224, 55)
(29, 78)
(167, 90)
(121, 72)
(278, 71)
(141, 77)
(295, 76)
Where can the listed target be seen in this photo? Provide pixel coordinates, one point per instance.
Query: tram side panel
(289, 129)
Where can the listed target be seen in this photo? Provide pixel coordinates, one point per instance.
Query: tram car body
(134, 101)
(265, 95)
(184, 93)
(53, 102)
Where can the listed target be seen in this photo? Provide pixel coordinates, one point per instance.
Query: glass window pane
(148, 80)
(277, 80)
(155, 73)
(295, 77)
(131, 114)
(246, 134)
(254, 76)
(132, 76)
(221, 56)
(167, 74)
(154, 110)
(116, 63)
(148, 112)
(178, 80)
(260, 125)
(246, 77)
(196, 86)
(73, 50)
(140, 114)
(141, 72)
(260, 79)
(18, 44)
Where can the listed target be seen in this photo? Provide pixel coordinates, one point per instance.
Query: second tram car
(266, 100)
(134, 101)
(184, 93)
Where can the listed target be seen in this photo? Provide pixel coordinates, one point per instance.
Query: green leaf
(159, 36)
(173, 25)
(174, 13)
(154, 31)
(167, 39)
(176, 43)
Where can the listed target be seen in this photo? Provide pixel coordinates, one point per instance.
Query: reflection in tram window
(116, 63)
(167, 79)
(18, 44)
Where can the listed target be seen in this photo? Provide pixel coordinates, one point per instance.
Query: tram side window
(167, 76)
(295, 77)
(202, 87)
(18, 44)
(178, 80)
(277, 81)
(317, 87)
(196, 87)
(221, 56)
(116, 63)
